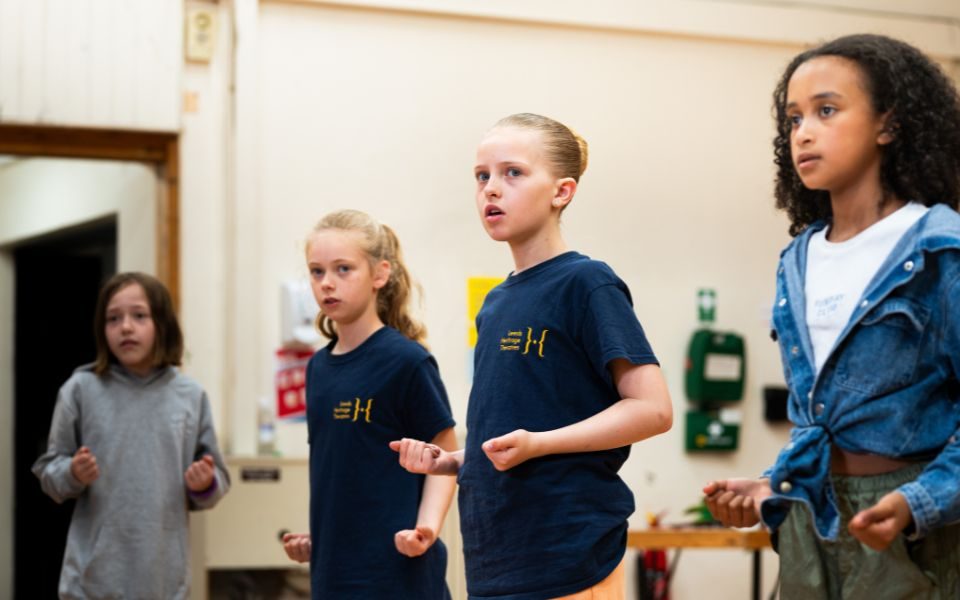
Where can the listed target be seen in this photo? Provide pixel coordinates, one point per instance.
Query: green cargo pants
(812, 568)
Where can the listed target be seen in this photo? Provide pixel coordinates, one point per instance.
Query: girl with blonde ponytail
(380, 244)
(373, 526)
(564, 382)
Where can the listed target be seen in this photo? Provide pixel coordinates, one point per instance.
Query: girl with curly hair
(864, 500)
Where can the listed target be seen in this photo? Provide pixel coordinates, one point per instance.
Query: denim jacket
(890, 386)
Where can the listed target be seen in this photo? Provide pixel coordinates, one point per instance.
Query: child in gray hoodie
(132, 440)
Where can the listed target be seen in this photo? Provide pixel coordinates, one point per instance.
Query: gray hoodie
(129, 532)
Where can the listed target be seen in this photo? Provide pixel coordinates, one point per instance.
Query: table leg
(756, 575)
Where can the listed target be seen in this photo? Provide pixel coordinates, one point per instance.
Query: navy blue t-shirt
(387, 388)
(554, 525)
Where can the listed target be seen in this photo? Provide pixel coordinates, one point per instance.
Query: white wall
(206, 150)
(96, 63)
(39, 196)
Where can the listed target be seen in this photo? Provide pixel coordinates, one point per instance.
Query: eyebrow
(820, 96)
(116, 309)
(502, 163)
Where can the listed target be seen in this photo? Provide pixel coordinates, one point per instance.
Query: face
(343, 281)
(517, 194)
(130, 329)
(837, 136)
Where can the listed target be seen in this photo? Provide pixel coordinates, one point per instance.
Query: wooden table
(662, 538)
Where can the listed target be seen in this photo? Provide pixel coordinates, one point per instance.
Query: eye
(343, 269)
(113, 318)
(794, 120)
(140, 316)
(826, 111)
(513, 172)
(316, 273)
(482, 176)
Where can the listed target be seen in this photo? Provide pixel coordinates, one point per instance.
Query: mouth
(127, 344)
(806, 160)
(491, 211)
(328, 302)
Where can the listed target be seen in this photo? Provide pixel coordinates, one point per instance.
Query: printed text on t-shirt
(517, 341)
(350, 410)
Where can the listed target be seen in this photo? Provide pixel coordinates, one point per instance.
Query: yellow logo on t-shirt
(515, 339)
(350, 410)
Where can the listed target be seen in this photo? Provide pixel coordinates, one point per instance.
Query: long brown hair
(168, 339)
(379, 243)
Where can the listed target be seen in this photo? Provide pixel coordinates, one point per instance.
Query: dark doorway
(57, 280)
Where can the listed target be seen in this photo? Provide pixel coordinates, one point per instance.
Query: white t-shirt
(838, 274)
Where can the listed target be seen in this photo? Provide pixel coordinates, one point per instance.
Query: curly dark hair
(921, 163)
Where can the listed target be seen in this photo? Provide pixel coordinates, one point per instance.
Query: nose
(126, 323)
(492, 188)
(804, 132)
(326, 283)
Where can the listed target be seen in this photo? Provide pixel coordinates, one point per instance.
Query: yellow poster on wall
(477, 289)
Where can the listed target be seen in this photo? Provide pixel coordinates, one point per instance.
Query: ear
(381, 274)
(564, 192)
(887, 129)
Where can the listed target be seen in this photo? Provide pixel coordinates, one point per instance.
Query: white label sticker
(730, 416)
(722, 367)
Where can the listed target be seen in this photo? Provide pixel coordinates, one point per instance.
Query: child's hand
(880, 524)
(422, 457)
(736, 502)
(297, 546)
(508, 451)
(83, 466)
(414, 542)
(199, 475)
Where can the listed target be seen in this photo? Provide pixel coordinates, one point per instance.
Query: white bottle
(266, 429)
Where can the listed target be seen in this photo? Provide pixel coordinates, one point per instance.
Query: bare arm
(434, 503)
(426, 458)
(644, 410)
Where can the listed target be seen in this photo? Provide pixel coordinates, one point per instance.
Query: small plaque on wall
(265, 474)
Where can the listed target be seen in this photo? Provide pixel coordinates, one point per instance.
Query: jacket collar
(937, 230)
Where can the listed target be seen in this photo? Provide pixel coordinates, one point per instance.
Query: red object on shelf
(291, 382)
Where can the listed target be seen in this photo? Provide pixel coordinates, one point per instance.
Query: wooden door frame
(160, 149)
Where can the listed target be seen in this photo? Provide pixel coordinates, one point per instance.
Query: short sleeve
(426, 406)
(611, 330)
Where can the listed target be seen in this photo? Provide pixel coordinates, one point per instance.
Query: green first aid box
(715, 367)
(710, 431)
